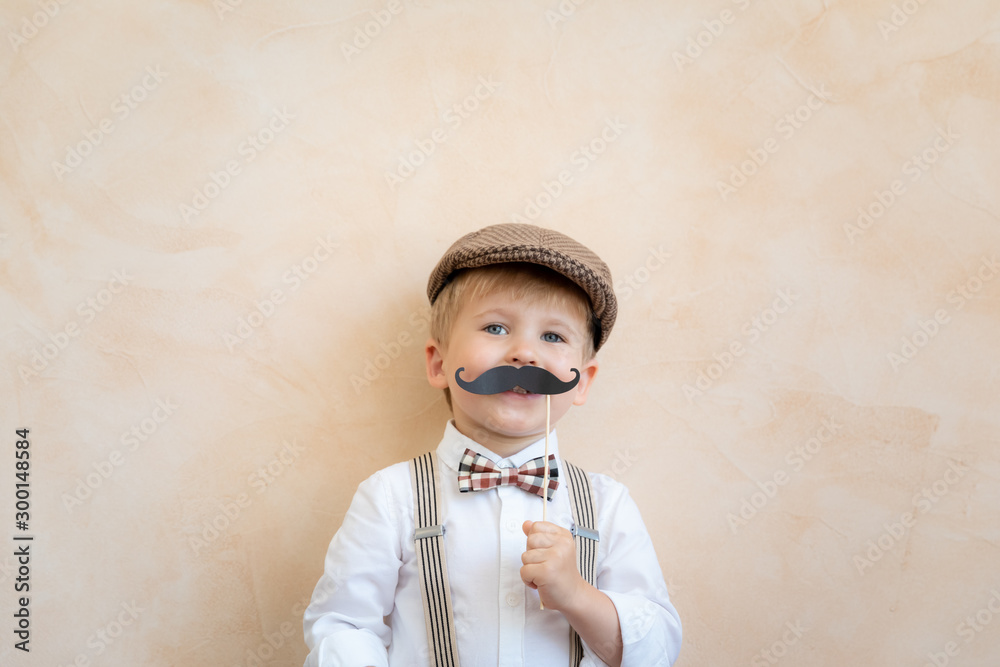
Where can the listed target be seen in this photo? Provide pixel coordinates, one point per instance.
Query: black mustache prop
(503, 378)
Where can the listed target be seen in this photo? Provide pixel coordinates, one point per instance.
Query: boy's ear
(435, 365)
(587, 375)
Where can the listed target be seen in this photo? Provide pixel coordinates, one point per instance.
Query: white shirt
(370, 575)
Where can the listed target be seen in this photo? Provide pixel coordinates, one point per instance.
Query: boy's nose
(521, 353)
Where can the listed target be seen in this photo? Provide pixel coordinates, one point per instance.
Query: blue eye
(549, 340)
(492, 328)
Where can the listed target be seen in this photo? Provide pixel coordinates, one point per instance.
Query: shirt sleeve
(629, 573)
(343, 623)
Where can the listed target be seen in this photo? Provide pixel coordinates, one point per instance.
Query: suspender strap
(432, 567)
(586, 536)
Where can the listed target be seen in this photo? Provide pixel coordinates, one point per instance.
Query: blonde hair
(519, 281)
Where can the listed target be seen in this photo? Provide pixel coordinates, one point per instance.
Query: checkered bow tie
(476, 472)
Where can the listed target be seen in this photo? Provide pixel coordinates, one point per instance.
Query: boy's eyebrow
(565, 323)
(488, 311)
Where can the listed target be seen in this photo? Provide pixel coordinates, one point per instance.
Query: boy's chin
(517, 426)
(513, 414)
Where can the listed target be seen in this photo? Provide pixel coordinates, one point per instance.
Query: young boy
(506, 587)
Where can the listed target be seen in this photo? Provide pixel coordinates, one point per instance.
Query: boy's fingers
(532, 557)
(537, 542)
(528, 573)
(534, 529)
(542, 534)
(543, 527)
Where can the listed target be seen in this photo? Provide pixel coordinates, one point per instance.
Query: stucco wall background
(218, 219)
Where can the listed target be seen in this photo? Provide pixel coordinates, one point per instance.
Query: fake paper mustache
(503, 378)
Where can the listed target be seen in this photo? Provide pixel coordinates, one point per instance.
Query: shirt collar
(454, 443)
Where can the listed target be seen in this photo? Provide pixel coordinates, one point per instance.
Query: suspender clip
(586, 532)
(428, 531)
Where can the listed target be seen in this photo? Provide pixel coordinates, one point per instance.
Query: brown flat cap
(510, 242)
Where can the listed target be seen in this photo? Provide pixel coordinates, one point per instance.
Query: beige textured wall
(216, 214)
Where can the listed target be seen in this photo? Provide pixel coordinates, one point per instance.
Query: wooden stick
(545, 482)
(545, 461)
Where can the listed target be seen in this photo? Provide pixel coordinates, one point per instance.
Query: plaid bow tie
(476, 472)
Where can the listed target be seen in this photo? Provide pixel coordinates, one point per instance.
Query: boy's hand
(550, 568)
(550, 564)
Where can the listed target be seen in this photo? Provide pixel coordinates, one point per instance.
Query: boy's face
(493, 331)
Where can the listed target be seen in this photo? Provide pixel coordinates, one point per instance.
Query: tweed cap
(510, 242)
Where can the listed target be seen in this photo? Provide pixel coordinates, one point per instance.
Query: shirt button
(511, 525)
(512, 599)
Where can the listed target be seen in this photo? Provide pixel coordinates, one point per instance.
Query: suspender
(581, 500)
(432, 568)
